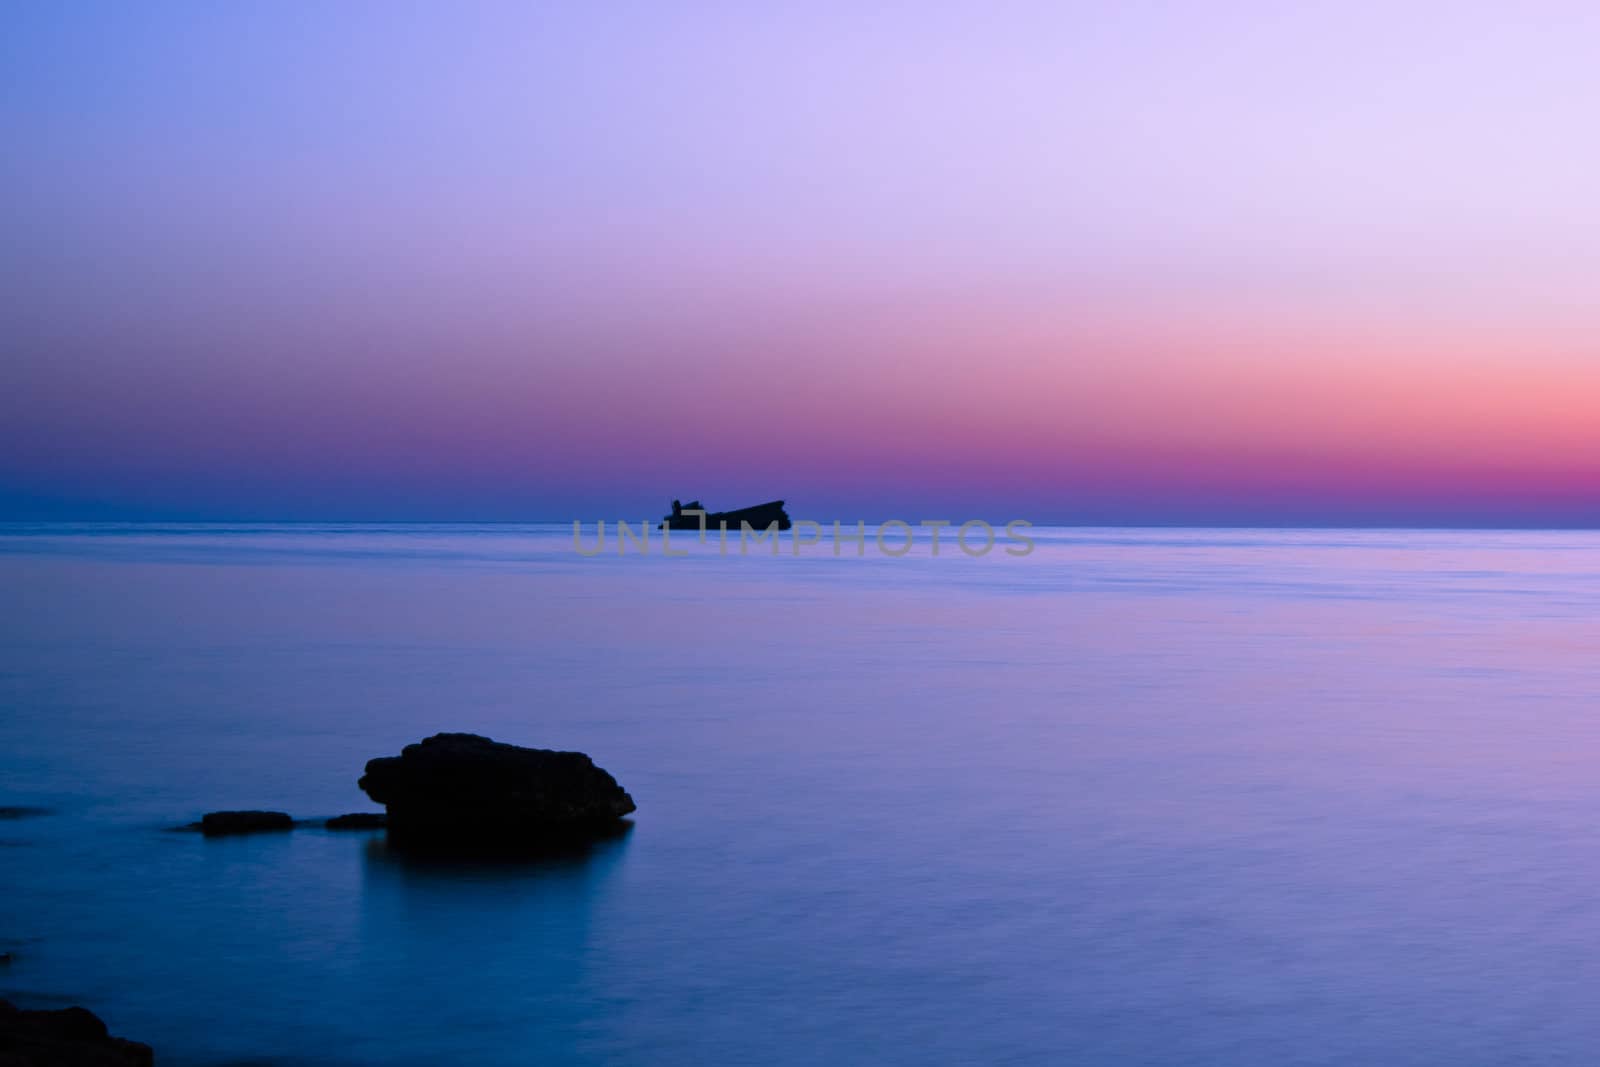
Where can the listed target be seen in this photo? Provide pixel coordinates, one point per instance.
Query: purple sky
(1212, 262)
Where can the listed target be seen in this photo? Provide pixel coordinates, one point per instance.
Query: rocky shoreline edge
(66, 1037)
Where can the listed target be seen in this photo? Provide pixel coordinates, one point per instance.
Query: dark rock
(361, 820)
(455, 788)
(71, 1037)
(225, 823)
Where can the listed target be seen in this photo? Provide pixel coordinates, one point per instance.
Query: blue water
(1142, 797)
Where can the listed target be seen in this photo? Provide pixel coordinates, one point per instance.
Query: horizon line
(1069, 525)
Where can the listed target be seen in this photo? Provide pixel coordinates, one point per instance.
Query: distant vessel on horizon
(693, 515)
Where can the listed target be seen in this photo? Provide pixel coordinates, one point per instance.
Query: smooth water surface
(1141, 797)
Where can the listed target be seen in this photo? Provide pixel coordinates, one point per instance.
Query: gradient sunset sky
(1213, 262)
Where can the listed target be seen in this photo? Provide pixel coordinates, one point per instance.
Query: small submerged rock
(463, 789)
(14, 812)
(70, 1037)
(228, 823)
(360, 820)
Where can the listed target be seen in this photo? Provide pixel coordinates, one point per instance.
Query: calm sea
(1141, 797)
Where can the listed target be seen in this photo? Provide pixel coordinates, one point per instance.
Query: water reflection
(472, 860)
(483, 959)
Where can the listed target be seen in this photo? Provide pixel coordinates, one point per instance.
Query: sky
(1210, 262)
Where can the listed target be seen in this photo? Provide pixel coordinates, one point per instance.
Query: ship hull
(759, 516)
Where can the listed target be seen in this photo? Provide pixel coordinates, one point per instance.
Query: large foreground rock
(71, 1037)
(455, 788)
